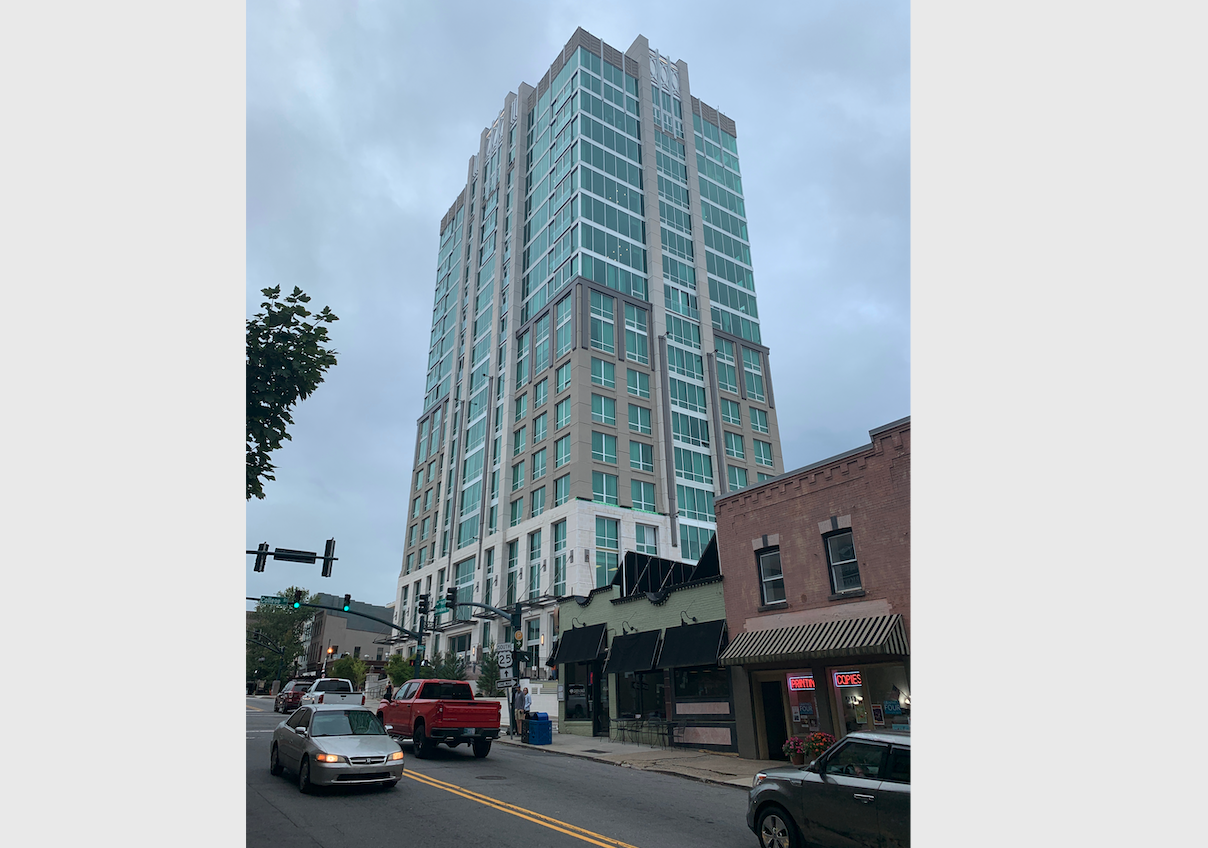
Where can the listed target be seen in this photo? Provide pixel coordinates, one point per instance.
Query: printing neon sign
(797, 684)
(847, 678)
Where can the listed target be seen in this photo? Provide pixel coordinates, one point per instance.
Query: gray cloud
(360, 122)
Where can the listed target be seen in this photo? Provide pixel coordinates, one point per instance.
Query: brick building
(817, 591)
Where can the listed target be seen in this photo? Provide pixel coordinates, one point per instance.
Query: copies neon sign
(847, 678)
(797, 684)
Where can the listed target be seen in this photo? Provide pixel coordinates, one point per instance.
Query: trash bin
(540, 732)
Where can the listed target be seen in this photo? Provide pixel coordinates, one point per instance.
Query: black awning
(580, 644)
(634, 652)
(692, 644)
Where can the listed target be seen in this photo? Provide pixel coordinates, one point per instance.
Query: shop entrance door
(599, 701)
(773, 718)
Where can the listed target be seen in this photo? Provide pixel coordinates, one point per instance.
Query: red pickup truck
(433, 711)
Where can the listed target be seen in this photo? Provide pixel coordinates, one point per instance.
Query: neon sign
(847, 678)
(797, 684)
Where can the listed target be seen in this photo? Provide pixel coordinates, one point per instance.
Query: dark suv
(857, 793)
(287, 699)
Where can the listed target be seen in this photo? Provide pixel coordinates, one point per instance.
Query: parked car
(332, 690)
(433, 711)
(291, 693)
(857, 793)
(327, 744)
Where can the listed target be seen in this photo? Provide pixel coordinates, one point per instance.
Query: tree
(448, 666)
(282, 627)
(399, 670)
(488, 678)
(349, 668)
(286, 360)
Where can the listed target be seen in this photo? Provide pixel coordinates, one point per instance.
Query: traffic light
(423, 604)
(261, 556)
(347, 602)
(329, 556)
(298, 593)
(517, 635)
(451, 598)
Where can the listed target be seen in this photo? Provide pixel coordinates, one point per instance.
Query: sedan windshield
(346, 723)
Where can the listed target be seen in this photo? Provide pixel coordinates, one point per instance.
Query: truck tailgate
(469, 715)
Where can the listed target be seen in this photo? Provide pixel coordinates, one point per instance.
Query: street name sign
(274, 600)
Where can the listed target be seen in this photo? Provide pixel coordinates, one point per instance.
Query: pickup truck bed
(429, 712)
(333, 690)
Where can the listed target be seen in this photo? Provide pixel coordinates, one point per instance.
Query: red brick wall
(871, 486)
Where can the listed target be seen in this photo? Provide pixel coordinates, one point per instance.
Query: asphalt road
(514, 798)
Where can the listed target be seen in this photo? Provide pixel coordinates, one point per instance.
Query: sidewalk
(705, 766)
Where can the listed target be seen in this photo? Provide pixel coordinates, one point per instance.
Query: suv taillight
(320, 699)
(362, 699)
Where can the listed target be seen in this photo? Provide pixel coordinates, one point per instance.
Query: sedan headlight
(758, 779)
(397, 755)
(330, 758)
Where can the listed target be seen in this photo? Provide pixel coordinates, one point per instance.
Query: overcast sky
(360, 122)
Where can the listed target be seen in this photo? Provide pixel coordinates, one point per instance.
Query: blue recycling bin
(540, 731)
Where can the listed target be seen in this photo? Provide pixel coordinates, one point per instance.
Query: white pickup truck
(332, 690)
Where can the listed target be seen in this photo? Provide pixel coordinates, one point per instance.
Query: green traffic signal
(297, 599)
(347, 602)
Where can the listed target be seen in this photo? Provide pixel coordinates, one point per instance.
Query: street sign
(274, 600)
(505, 660)
(505, 676)
(441, 606)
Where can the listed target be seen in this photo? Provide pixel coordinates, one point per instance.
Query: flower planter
(797, 759)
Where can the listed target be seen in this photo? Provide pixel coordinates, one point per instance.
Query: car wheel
(423, 748)
(304, 784)
(482, 747)
(776, 829)
(274, 762)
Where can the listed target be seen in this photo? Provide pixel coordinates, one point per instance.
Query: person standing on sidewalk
(517, 710)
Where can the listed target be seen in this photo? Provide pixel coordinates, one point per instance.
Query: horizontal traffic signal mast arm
(495, 610)
(411, 633)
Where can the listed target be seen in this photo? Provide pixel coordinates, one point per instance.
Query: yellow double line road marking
(521, 812)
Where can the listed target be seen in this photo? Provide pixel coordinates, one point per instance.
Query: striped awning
(882, 634)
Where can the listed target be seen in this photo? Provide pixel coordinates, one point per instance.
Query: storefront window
(803, 702)
(640, 695)
(874, 697)
(706, 682)
(578, 700)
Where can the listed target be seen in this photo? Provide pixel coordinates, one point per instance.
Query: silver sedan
(327, 745)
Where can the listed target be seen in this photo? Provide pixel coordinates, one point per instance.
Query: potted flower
(794, 748)
(816, 743)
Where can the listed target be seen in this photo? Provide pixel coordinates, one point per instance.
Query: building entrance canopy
(882, 634)
(579, 644)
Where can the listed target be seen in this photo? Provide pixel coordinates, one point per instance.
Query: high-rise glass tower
(596, 372)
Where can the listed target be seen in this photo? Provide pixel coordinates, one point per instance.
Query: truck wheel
(482, 747)
(423, 748)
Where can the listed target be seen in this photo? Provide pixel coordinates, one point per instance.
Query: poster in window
(878, 715)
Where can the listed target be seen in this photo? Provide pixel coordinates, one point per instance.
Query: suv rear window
(333, 686)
